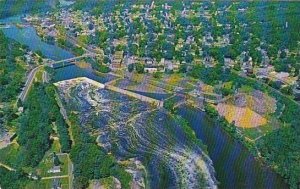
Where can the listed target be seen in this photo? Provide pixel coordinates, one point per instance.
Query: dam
(97, 84)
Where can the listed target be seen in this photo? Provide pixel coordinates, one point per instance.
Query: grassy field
(47, 163)
(45, 184)
(39, 74)
(9, 155)
(243, 117)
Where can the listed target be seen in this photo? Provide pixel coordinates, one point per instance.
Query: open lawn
(255, 133)
(170, 82)
(9, 155)
(82, 64)
(47, 163)
(47, 184)
(139, 86)
(244, 117)
(39, 74)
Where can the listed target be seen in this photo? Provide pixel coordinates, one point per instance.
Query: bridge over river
(69, 61)
(9, 25)
(56, 64)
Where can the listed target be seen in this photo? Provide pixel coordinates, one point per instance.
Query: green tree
(139, 68)
(130, 67)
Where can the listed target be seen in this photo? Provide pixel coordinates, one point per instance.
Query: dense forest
(36, 125)
(12, 179)
(12, 71)
(62, 127)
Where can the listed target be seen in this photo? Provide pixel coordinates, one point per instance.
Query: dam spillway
(143, 98)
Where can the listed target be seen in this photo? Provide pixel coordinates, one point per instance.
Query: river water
(28, 36)
(73, 71)
(235, 167)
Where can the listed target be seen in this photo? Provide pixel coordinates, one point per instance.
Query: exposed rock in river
(161, 154)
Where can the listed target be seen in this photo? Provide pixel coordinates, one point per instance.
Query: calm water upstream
(235, 167)
(29, 37)
(73, 71)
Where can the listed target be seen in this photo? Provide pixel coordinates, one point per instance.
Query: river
(28, 36)
(73, 71)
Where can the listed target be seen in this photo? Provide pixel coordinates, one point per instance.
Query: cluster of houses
(121, 28)
(47, 27)
(296, 89)
(76, 23)
(30, 57)
(150, 65)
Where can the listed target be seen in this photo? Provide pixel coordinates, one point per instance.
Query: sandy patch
(82, 64)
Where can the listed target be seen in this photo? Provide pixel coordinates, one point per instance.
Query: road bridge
(9, 25)
(32, 73)
(70, 61)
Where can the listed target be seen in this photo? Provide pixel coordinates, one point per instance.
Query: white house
(150, 69)
(54, 169)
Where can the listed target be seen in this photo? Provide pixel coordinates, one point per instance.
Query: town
(144, 40)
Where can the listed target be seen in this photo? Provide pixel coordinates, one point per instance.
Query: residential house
(171, 65)
(228, 62)
(55, 169)
(282, 77)
(150, 69)
(263, 73)
(208, 61)
(246, 63)
(148, 61)
(117, 60)
(129, 60)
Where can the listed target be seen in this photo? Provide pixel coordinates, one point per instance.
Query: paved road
(74, 58)
(7, 167)
(29, 82)
(70, 172)
(53, 177)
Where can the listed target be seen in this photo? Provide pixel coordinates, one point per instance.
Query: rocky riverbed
(159, 153)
